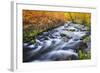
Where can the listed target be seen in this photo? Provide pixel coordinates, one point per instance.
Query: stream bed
(59, 44)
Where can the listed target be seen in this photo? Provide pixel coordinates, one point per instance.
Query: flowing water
(57, 44)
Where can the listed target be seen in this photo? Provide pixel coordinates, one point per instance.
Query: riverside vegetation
(56, 36)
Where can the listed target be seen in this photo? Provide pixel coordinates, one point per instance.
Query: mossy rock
(33, 41)
(87, 39)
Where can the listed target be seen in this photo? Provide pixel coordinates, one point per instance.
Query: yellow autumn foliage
(33, 17)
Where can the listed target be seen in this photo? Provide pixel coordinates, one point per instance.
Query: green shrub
(84, 55)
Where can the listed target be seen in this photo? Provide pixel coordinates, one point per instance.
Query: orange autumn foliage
(41, 18)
